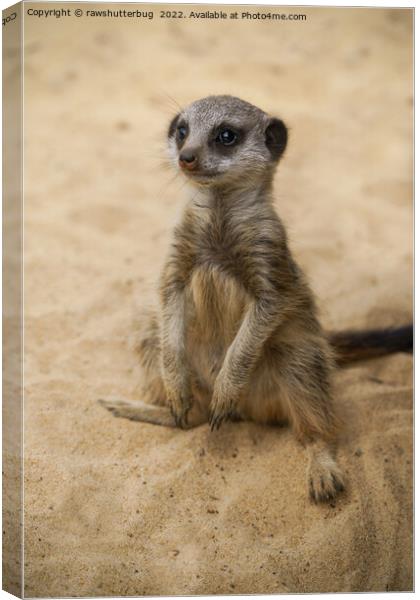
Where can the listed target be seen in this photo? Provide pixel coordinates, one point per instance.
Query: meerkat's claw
(213, 422)
(181, 419)
(217, 418)
(338, 484)
(179, 407)
(325, 487)
(220, 414)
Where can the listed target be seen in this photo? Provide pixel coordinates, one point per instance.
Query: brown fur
(237, 335)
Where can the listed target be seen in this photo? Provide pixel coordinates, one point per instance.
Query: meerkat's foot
(139, 411)
(325, 478)
(179, 406)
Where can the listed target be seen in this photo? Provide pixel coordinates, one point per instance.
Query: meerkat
(236, 335)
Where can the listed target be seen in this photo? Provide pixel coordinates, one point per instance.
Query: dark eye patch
(172, 126)
(181, 132)
(178, 128)
(226, 136)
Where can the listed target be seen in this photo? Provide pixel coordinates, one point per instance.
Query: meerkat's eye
(227, 137)
(182, 132)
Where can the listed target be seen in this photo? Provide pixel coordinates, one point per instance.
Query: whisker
(174, 102)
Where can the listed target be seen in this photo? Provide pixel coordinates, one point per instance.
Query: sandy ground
(118, 508)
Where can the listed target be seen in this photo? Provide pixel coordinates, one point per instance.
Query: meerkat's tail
(351, 346)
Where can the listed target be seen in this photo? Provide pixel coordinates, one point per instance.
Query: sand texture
(114, 507)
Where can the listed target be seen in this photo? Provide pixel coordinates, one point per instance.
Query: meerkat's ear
(276, 137)
(172, 126)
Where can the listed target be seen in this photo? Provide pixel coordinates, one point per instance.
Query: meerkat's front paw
(325, 481)
(223, 403)
(180, 405)
(220, 412)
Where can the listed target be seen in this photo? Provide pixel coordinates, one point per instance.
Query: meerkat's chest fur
(216, 303)
(215, 306)
(216, 297)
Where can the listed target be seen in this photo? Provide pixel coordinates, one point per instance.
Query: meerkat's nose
(188, 160)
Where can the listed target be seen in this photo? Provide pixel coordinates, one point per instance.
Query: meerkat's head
(223, 140)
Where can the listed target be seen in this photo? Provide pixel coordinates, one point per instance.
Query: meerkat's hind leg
(307, 395)
(139, 411)
(317, 433)
(149, 413)
(315, 425)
